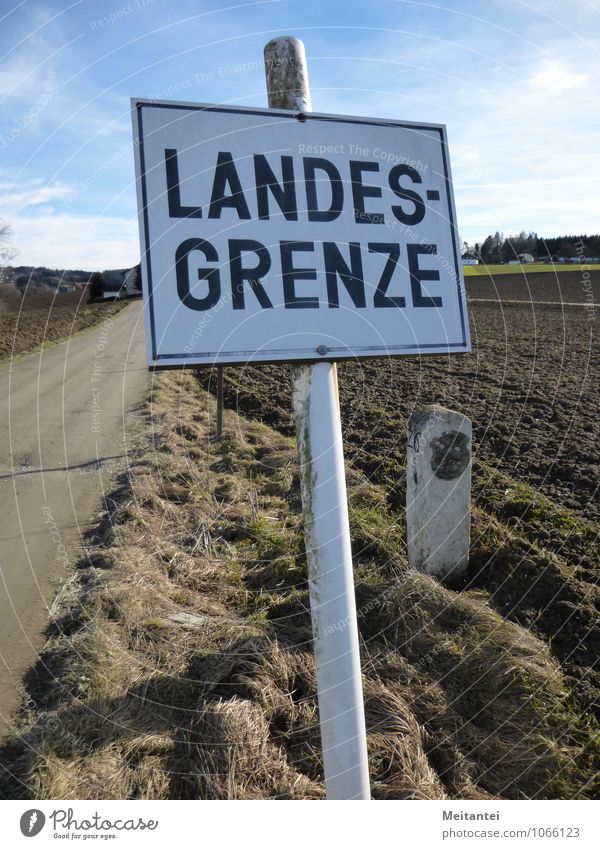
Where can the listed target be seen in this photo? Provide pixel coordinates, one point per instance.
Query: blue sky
(515, 83)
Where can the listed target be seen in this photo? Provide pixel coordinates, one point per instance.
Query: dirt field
(28, 323)
(179, 661)
(571, 286)
(532, 389)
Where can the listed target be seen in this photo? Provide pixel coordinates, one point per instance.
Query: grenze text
(250, 261)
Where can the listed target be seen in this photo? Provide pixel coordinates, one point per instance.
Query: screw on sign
(282, 234)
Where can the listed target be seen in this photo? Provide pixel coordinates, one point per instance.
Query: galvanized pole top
(287, 74)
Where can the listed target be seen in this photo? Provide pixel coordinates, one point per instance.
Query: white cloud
(554, 78)
(465, 154)
(76, 241)
(17, 202)
(31, 66)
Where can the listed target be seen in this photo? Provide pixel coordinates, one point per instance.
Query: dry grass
(180, 664)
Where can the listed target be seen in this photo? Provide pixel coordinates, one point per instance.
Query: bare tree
(7, 250)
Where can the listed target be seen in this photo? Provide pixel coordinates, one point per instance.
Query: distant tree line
(500, 248)
(30, 273)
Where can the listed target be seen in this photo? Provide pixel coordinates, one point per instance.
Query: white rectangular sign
(272, 235)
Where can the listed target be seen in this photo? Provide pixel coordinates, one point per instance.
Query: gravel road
(66, 415)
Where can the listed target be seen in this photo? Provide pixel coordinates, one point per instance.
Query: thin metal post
(220, 400)
(326, 526)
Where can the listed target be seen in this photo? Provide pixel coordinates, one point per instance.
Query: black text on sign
(267, 238)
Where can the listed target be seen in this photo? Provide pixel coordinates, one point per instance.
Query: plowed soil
(531, 387)
(38, 319)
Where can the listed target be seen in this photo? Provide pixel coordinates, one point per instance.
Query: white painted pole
(438, 490)
(326, 527)
(220, 400)
(329, 556)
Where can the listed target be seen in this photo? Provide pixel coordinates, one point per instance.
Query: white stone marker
(438, 487)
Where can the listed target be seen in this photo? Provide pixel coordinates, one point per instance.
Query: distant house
(110, 295)
(524, 258)
(114, 285)
(132, 284)
(120, 285)
(552, 258)
(469, 259)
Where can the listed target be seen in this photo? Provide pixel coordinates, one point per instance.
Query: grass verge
(179, 661)
(527, 268)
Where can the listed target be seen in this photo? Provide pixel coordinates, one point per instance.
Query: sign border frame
(298, 354)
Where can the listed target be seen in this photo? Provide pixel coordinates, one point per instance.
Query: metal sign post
(220, 400)
(326, 526)
(286, 235)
